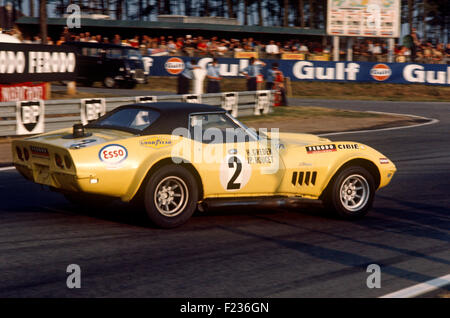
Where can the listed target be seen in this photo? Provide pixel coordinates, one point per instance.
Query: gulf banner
(398, 73)
(22, 92)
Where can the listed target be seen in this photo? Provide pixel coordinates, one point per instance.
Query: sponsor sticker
(321, 148)
(39, 152)
(259, 156)
(81, 143)
(235, 172)
(157, 142)
(174, 65)
(380, 72)
(348, 146)
(113, 154)
(384, 161)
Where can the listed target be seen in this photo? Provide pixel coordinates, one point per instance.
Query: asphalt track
(288, 252)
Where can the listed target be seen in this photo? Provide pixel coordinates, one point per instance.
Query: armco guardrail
(32, 117)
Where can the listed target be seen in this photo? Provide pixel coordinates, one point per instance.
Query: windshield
(132, 54)
(128, 118)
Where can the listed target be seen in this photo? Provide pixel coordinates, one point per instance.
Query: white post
(391, 44)
(335, 48)
(349, 48)
(199, 76)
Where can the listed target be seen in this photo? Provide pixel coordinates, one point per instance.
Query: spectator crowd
(412, 49)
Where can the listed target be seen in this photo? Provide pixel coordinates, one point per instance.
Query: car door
(231, 160)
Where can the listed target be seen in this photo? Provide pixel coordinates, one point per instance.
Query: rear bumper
(42, 174)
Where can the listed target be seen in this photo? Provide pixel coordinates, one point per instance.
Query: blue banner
(399, 73)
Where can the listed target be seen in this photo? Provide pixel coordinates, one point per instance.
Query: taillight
(68, 162)
(19, 153)
(59, 161)
(26, 154)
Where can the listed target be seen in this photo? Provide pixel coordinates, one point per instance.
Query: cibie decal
(380, 72)
(348, 146)
(157, 142)
(384, 161)
(321, 148)
(235, 172)
(112, 155)
(174, 65)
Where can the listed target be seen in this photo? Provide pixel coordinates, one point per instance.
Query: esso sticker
(113, 154)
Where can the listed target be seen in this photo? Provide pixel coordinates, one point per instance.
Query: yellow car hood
(298, 139)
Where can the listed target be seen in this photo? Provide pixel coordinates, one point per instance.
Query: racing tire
(109, 82)
(170, 196)
(351, 193)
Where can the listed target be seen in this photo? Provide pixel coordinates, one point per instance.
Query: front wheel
(351, 193)
(171, 196)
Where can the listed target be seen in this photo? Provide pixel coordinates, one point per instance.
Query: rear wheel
(171, 196)
(351, 194)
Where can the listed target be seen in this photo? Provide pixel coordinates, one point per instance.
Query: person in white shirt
(272, 48)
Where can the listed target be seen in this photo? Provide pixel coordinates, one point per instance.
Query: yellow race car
(176, 157)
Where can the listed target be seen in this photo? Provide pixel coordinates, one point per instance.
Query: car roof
(172, 115)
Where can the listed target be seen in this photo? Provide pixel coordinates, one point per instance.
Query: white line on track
(431, 121)
(421, 288)
(7, 168)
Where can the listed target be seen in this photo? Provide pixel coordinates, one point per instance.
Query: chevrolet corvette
(177, 157)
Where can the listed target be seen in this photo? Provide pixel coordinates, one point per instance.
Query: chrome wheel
(354, 192)
(171, 196)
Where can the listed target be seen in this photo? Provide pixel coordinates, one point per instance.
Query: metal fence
(32, 117)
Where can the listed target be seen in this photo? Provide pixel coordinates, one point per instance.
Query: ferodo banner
(36, 63)
(398, 73)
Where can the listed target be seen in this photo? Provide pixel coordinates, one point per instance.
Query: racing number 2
(232, 185)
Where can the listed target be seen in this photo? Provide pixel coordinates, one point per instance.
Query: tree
(43, 20)
(245, 12)
(260, 14)
(31, 5)
(230, 9)
(410, 14)
(286, 13)
(312, 23)
(206, 8)
(301, 13)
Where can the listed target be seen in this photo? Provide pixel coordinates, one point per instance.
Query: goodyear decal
(157, 142)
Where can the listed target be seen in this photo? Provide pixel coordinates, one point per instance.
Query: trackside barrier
(25, 118)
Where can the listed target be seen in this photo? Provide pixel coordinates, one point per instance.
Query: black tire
(171, 196)
(109, 82)
(347, 200)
